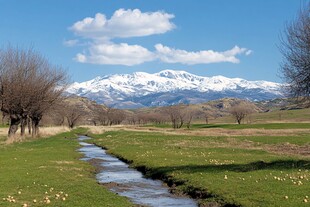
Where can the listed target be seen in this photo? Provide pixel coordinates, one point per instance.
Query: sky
(90, 38)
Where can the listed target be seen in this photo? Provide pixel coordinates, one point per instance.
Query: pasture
(249, 170)
(48, 171)
(257, 164)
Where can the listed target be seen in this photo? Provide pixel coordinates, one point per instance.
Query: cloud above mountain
(123, 24)
(100, 32)
(171, 55)
(116, 54)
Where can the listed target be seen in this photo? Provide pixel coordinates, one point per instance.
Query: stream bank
(128, 182)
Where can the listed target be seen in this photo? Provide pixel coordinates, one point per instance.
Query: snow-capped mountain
(170, 87)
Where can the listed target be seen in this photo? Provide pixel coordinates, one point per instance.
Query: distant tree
(190, 115)
(176, 115)
(100, 115)
(132, 118)
(295, 48)
(115, 116)
(156, 117)
(240, 111)
(180, 115)
(206, 114)
(73, 113)
(29, 85)
(142, 118)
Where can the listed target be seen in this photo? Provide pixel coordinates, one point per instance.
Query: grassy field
(255, 126)
(277, 116)
(48, 171)
(247, 171)
(241, 126)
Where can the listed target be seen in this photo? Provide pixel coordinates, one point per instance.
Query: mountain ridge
(168, 87)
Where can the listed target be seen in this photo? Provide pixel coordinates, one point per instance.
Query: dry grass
(102, 129)
(44, 132)
(3, 131)
(50, 131)
(203, 132)
(247, 132)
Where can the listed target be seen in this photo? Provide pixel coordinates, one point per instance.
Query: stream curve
(129, 182)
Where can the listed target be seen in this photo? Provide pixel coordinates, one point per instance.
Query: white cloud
(99, 32)
(249, 52)
(124, 23)
(116, 54)
(171, 55)
(70, 43)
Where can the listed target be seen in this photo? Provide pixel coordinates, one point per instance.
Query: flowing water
(129, 182)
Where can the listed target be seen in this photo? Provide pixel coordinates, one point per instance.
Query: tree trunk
(35, 126)
(174, 124)
(71, 125)
(14, 122)
(29, 125)
(181, 124)
(23, 123)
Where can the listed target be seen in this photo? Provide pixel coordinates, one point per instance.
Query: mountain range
(169, 87)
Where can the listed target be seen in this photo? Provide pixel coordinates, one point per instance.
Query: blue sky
(233, 38)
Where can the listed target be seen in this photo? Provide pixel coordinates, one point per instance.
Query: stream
(128, 182)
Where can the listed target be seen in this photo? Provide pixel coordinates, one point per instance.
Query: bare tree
(29, 85)
(72, 112)
(206, 114)
(132, 118)
(189, 117)
(48, 90)
(176, 115)
(100, 115)
(115, 116)
(142, 118)
(240, 111)
(295, 48)
(179, 115)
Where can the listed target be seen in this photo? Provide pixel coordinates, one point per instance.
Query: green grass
(241, 126)
(296, 140)
(2, 140)
(46, 167)
(255, 126)
(293, 116)
(254, 177)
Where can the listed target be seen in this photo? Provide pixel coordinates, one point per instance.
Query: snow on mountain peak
(139, 84)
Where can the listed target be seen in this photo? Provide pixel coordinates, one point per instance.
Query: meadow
(254, 164)
(249, 170)
(48, 171)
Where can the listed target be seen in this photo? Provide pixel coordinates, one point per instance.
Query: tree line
(75, 111)
(29, 86)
